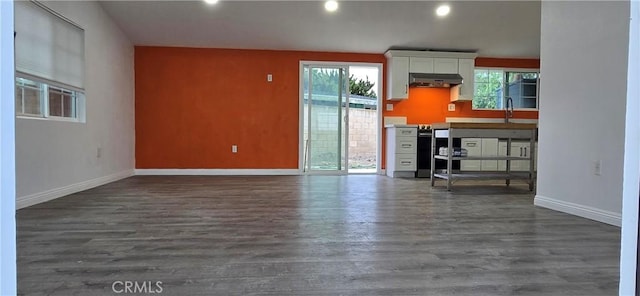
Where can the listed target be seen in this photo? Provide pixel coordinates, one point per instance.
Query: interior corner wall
(583, 91)
(56, 158)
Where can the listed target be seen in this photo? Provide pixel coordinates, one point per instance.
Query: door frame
(8, 275)
(301, 169)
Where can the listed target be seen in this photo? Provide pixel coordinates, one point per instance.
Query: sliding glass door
(326, 105)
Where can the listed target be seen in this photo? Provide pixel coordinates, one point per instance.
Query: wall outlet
(234, 148)
(269, 77)
(597, 167)
(99, 152)
(451, 107)
(389, 107)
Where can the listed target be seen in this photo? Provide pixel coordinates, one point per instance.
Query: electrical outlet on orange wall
(451, 107)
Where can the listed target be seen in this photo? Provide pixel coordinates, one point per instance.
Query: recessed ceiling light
(443, 10)
(211, 1)
(331, 5)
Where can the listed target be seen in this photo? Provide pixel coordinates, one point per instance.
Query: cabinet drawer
(473, 146)
(405, 162)
(406, 132)
(406, 145)
(470, 165)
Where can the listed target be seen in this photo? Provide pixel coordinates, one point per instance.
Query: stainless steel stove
(424, 152)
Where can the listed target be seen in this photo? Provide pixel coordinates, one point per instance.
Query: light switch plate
(269, 77)
(389, 107)
(452, 107)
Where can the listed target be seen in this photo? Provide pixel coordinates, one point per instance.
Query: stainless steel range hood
(434, 80)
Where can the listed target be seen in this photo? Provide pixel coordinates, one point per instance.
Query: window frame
(78, 98)
(505, 72)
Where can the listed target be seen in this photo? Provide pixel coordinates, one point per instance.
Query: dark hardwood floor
(310, 235)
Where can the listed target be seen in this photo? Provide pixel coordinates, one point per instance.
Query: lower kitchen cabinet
(474, 149)
(401, 151)
(521, 149)
(480, 147)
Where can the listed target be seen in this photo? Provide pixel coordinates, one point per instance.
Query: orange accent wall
(507, 63)
(192, 104)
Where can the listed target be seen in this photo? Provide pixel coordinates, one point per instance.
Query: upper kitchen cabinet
(445, 66)
(420, 65)
(397, 78)
(402, 62)
(465, 69)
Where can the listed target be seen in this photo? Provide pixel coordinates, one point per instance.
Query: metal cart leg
(532, 161)
(508, 180)
(432, 169)
(449, 160)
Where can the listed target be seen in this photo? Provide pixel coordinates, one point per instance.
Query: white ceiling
(492, 28)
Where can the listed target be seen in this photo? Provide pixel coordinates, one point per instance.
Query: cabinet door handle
(520, 151)
(406, 88)
(407, 145)
(525, 151)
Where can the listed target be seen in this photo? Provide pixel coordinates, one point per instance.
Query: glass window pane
(482, 76)
(32, 101)
(19, 100)
(28, 97)
(55, 102)
(523, 89)
(67, 105)
(481, 90)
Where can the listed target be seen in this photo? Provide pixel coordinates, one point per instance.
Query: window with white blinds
(49, 48)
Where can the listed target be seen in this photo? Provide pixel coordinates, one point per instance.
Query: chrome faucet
(508, 112)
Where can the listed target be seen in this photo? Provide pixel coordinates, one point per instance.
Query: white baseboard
(216, 172)
(40, 197)
(578, 210)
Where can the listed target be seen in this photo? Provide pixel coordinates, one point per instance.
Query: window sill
(51, 118)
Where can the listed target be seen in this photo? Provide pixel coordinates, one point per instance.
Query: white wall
(630, 192)
(56, 158)
(583, 91)
(7, 158)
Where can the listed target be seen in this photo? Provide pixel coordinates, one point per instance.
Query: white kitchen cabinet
(420, 65)
(398, 78)
(402, 62)
(474, 149)
(466, 70)
(401, 151)
(519, 149)
(480, 147)
(489, 149)
(445, 66)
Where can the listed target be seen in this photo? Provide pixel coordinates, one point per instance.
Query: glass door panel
(325, 109)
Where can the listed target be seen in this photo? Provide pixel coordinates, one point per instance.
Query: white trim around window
(39, 99)
(504, 74)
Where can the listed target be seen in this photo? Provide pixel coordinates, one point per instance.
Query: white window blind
(47, 46)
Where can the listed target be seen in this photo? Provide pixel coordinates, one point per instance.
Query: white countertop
(400, 125)
(488, 120)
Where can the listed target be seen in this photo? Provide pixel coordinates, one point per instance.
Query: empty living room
(218, 147)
